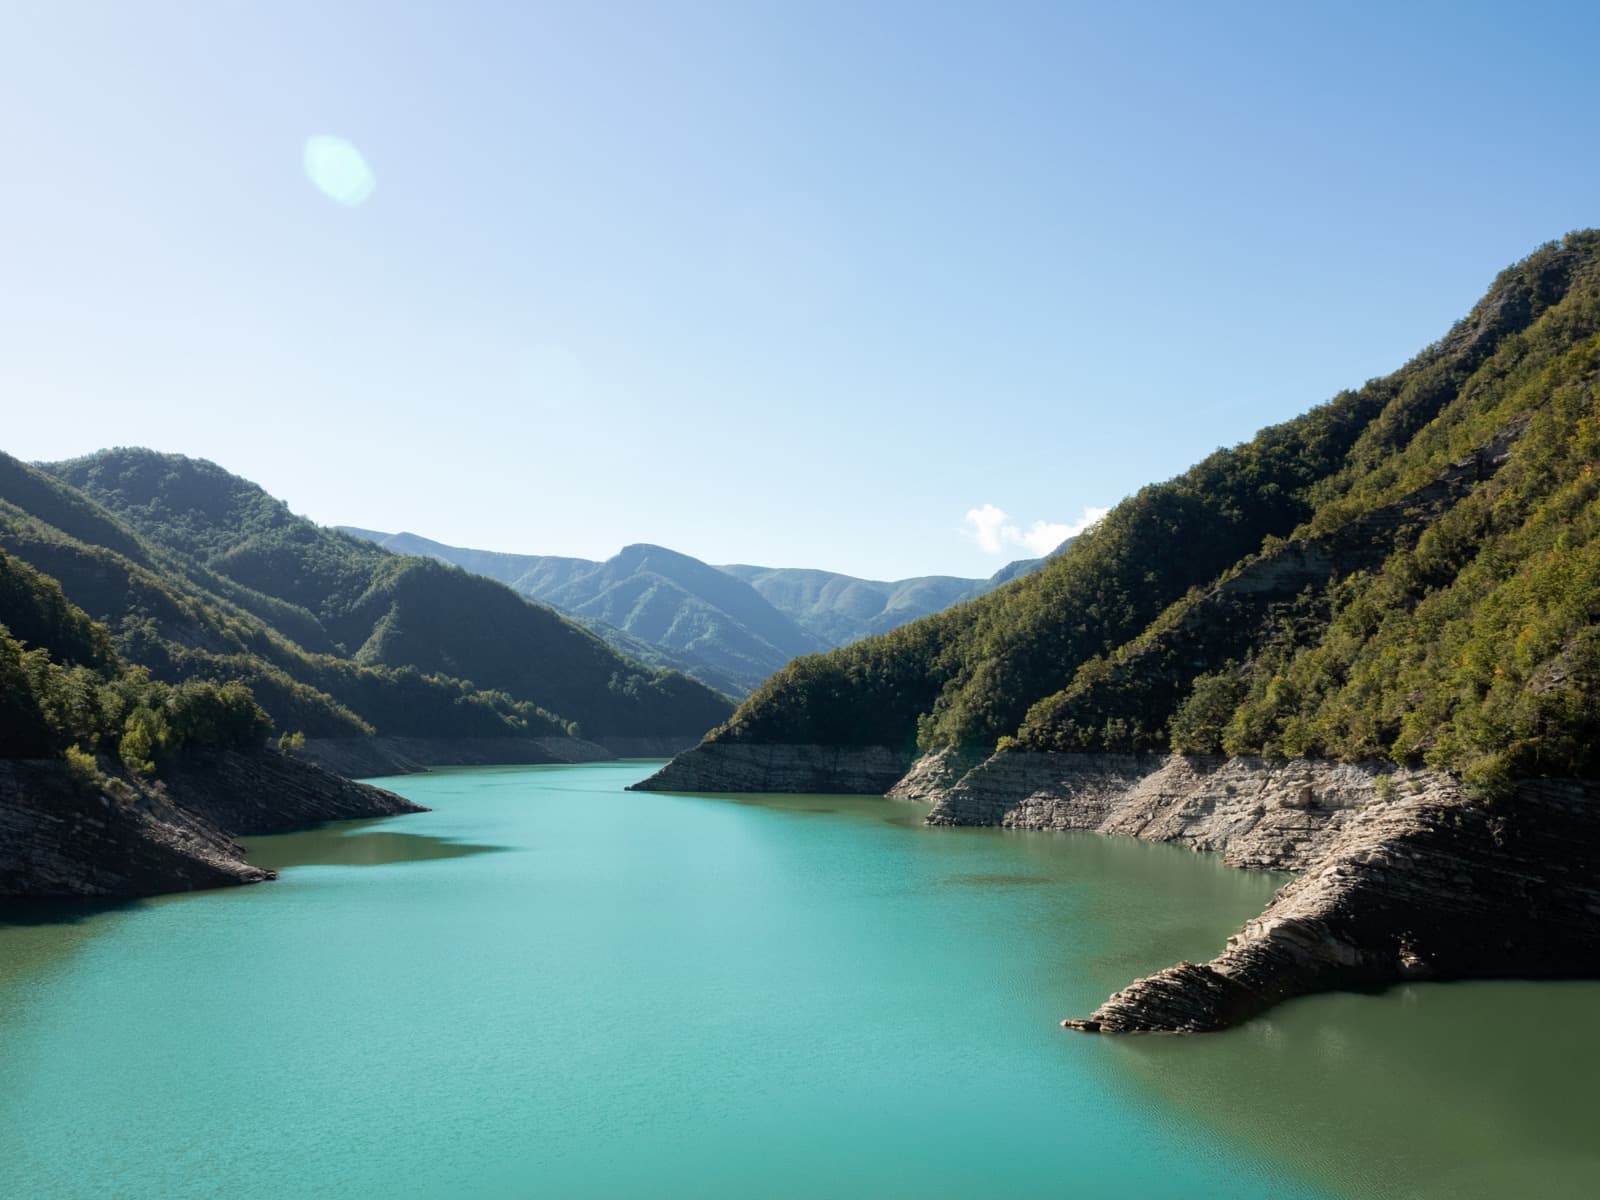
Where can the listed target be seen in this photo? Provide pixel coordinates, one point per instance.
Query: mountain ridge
(728, 626)
(199, 572)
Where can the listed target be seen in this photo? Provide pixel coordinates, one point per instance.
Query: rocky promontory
(1279, 815)
(369, 757)
(1404, 875)
(1427, 886)
(754, 767)
(64, 833)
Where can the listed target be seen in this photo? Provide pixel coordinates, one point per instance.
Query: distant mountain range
(728, 626)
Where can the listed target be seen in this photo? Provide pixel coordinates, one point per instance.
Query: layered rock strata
(1261, 813)
(1424, 887)
(368, 757)
(646, 747)
(60, 838)
(65, 835)
(265, 793)
(933, 775)
(746, 767)
(1405, 876)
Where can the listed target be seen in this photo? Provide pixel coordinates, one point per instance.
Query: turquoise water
(549, 986)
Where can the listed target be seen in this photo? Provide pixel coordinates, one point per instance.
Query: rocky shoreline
(1403, 875)
(1427, 886)
(370, 757)
(1258, 813)
(64, 835)
(747, 767)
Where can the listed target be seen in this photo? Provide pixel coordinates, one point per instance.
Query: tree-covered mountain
(200, 575)
(646, 600)
(730, 627)
(1408, 571)
(841, 609)
(62, 685)
(113, 782)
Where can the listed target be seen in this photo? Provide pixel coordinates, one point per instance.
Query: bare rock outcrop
(933, 775)
(360, 757)
(66, 835)
(267, 793)
(748, 767)
(365, 757)
(1405, 876)
(1261, 813)
(1428, 886)
(59, 837)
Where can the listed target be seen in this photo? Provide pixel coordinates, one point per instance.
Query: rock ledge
(1405, 876)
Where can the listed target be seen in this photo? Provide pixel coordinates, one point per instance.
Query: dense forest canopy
(62, 688)
(198, 575)
(1408, 571)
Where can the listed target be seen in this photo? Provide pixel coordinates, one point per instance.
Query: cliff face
(1261, 813)
(644, 747)
(60, 836)
(742, 767)
(1404, 876)
(268, 793)
(356, 758)
(1426, 887)
(371, 756)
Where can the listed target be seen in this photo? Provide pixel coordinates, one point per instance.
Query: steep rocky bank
(269, 793)
(646, 747)
(61, 835)
(746, 767)
(1261, 813)
(1429, 886)
(368, 757)
(1405, 877)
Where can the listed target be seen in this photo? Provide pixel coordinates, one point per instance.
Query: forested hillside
(200, 575)
(63, 687)
(841, 609)
(648, 602)
(1408, 571)
(730, 627)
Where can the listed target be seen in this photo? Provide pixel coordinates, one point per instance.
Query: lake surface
(549, 986)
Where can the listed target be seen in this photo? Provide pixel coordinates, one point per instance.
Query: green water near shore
(550, 986)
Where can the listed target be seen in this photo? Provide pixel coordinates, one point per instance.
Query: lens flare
(338, 170)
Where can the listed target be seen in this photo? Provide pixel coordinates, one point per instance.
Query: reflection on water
(995, 879)
(39, 937)
(354, 844)
(1481, 1089)
(67, 910)
(908, 813)
(734, 996)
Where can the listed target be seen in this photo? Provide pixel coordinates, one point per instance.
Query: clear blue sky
(794, 284)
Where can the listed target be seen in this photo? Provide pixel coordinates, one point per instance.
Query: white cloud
(995, 532)
(986, 526)
(1087, 520)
